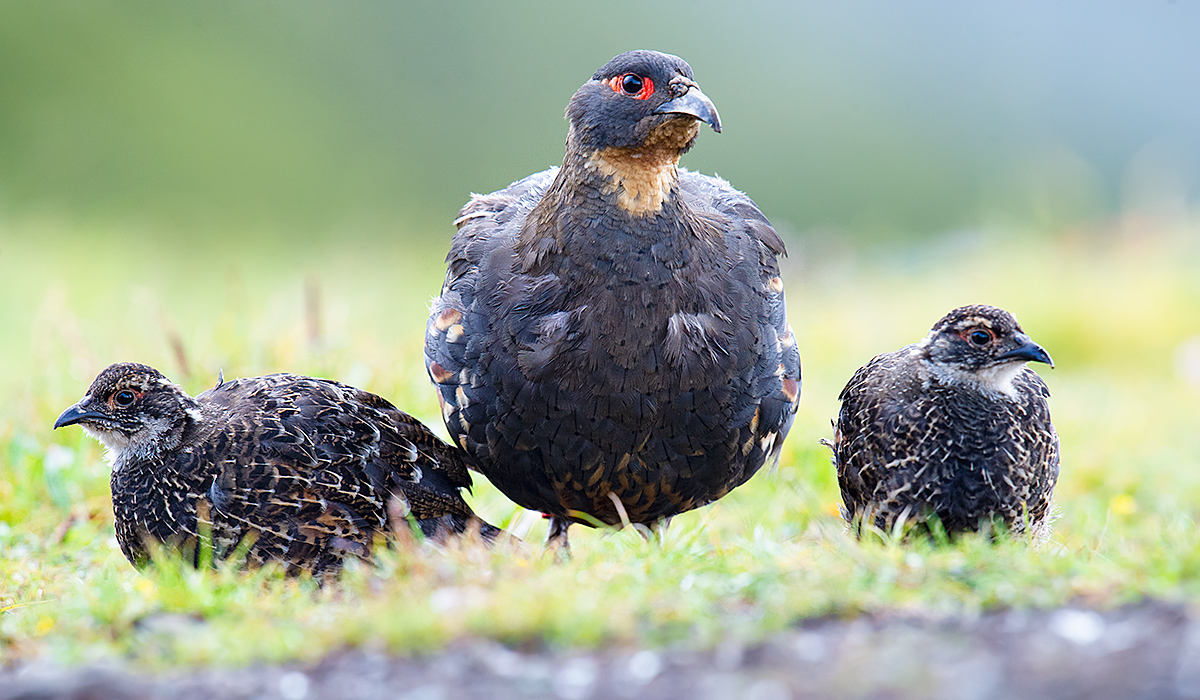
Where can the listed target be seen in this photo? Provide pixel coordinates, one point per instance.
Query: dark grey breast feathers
(955, 425)
(301, 470)
(611, 341)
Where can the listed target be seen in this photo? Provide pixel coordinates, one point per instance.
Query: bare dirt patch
(1149, 650)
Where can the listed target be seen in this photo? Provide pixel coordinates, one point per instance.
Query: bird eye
(632, 85)
(980, 337)
(124, 398)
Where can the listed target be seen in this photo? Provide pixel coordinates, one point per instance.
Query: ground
(771, 565)
(1150, 650)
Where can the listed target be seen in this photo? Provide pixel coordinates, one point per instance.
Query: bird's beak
(1027, 350)
(694, 104)
(77, 414)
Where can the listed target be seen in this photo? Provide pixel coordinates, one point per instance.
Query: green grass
(1112, 309)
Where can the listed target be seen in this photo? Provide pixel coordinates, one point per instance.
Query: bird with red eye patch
(955, 426)
(611, 343)
(305, 471)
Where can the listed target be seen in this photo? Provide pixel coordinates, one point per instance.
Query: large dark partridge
(611, 343)
(955, 426)
(303, 471)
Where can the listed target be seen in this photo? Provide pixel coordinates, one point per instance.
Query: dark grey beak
(695, 104)
(1027, 350)
(76, 414)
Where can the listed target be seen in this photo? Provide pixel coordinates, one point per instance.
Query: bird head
(133, 410)
(982, 344)
(640, 99)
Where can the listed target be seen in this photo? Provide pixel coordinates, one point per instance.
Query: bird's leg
(659, 528)
(656, 531)
(557, 538)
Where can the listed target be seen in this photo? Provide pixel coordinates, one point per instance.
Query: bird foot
(556, 540)
(654, 532)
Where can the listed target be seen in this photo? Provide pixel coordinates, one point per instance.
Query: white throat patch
(151, 441)
(996, 380)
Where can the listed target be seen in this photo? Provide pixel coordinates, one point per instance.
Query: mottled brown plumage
(955, 425)
(305, 471)
(611, 341)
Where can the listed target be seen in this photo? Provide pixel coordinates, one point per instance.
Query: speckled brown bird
(955, 425)
(311, 470)
(611, 342)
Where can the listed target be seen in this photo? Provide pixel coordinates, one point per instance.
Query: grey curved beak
(76, 414)
(693, 103)
(1027, 350)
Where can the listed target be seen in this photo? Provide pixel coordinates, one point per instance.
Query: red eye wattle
(632, 85)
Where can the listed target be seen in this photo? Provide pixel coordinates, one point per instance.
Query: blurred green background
(861, 119)
(269, 186)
